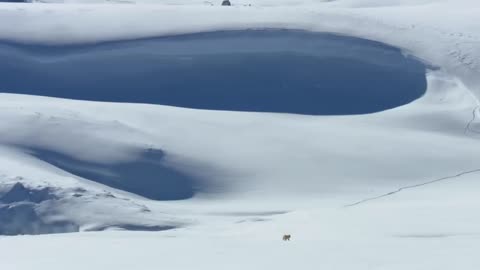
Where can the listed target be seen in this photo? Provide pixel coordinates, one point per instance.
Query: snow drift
(403, 179)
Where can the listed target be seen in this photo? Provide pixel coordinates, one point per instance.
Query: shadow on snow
(146, 176)
(263, 71)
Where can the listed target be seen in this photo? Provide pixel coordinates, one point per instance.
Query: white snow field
(185, 135)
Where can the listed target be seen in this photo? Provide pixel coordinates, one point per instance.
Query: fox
(286, 237)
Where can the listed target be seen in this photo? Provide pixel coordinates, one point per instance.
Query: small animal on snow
(286, 237)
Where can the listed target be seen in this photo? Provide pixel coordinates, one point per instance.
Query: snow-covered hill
(362, 179)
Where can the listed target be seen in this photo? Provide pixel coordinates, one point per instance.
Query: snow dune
(121, 153)
(384, 182)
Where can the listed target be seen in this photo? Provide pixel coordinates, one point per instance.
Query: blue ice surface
(279, 71)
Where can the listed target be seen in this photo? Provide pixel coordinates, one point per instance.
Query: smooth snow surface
(352, 125)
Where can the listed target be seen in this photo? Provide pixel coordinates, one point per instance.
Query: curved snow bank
(262, 71)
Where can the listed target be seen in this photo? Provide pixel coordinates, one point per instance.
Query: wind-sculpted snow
(286, 174)
(262, 71)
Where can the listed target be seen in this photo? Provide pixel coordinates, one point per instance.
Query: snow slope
(390, 190)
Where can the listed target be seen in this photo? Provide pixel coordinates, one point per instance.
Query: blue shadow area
(146, 176)
(262, 71)
(22, 218)
(19, 193)
(18, 212)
